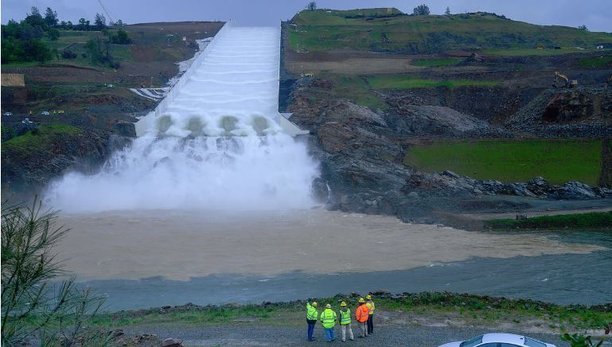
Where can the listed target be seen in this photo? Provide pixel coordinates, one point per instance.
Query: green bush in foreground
(593, 220)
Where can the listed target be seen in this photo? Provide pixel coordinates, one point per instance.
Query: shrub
(31, 307)
(120, 38)
(68, 54)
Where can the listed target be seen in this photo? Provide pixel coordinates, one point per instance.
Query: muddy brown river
(175, 256)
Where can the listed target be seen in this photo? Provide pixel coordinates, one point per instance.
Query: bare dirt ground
(181, 245)
(385, 334)
(353, 66)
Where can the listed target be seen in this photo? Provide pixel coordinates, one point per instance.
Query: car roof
(504, 337)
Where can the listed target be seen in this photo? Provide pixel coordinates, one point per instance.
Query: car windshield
(471, 343)
(533, 342)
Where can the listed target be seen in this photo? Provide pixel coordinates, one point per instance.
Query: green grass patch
(195, 315)
(355, 89)
(406, 82)
(593, 220)
(558, 161)
(600, 62)
(41, 138)
(436, 62)
(478, 310)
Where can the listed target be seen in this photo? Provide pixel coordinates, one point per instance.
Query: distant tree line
(25, 41)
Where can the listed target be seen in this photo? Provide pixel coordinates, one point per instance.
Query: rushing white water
(216, 144)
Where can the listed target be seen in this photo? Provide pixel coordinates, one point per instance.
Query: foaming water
(215, 144)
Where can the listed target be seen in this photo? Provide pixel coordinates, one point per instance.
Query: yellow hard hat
(361, 301)
(343, 304)
(369, 297)
(314, 304)
(328, 306)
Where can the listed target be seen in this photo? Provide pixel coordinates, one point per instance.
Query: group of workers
(364, 315)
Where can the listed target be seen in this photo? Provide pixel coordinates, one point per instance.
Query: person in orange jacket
(361, 315)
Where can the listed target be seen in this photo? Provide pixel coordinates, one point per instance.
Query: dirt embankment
(361, 148)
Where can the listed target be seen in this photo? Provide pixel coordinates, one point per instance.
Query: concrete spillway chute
(230, 89)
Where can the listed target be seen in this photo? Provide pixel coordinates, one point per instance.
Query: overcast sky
(595, 14)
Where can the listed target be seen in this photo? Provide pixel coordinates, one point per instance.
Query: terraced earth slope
(378, 89)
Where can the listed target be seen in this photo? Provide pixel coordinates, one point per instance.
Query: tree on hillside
(11, 50)
(51, 18)
(22, 41)
(100, 21)
(34, 11)
(447, 12)
(35, 19)
(421, 10)
(83, 24)
(121, 38)
(312, 6)
(36, 50)
(583, 28)
(53, 34)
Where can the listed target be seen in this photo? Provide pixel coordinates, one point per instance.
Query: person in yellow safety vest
(311, 318)
(344, 317)
(371, 308)
(328, 320)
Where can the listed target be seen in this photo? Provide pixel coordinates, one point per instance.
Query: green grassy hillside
(389, 30)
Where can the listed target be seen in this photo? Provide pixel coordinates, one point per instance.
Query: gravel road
(253, 335)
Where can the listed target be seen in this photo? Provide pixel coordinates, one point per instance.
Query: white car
(45, 113)
(499, 340)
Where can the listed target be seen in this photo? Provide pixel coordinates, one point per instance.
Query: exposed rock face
(361, 154)
(27, 170)
(491, 104)
(448, 184)
(581, 112)
(567, 107)
(359, 162)
(438, 121)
